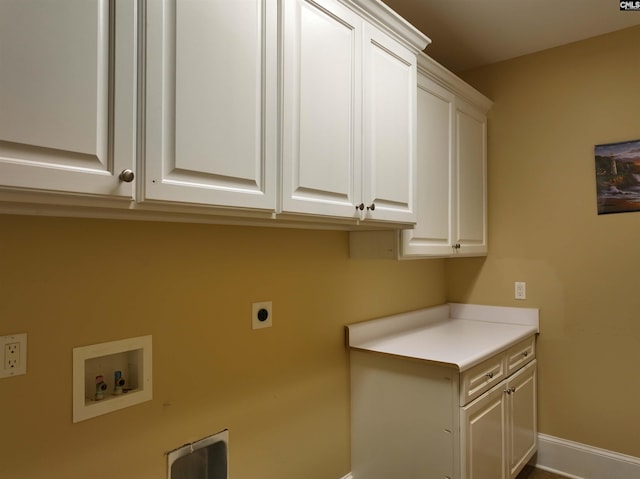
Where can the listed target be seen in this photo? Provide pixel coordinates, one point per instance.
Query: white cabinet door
(67, 95)
(452, 200)
(499, 430)
(390, 127)
(211, 102)
(471, 167)
(433, 231)
(322, 108)
(484, 436)
(523, 423)
(349, 115)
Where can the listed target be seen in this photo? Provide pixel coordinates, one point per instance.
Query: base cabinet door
(499, 432)
(523, 421)
(484, 437)
(211, 103)
(68, 96)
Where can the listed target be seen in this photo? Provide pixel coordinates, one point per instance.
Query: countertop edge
(407, 358)
(460, 366)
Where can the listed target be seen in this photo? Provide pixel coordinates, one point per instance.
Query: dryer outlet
(262, 315)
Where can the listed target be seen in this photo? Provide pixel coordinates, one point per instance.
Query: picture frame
(617, 168)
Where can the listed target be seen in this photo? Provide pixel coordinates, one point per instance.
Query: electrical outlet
(14, 355)
(520, 290)
(261, 316)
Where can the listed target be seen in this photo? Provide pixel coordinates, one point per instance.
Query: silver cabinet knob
(489, 375)
(372, 207)
(360, 206)
(127, 175)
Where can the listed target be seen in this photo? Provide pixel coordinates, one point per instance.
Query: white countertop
(456, 335)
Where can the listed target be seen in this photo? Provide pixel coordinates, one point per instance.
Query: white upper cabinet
(298, 110)
(389, 182)
(68, 96)
(322, 108)
(452, 166)
(471, 180)
(433, 233)
(211, 103)
(349, 115)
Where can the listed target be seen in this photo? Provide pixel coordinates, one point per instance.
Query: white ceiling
(471, 33)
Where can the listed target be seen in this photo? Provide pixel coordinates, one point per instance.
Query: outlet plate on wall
(520, 290)
(13, 351)
(262, 315)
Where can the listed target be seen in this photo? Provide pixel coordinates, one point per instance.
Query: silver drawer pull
(489, 375)
(525, 354)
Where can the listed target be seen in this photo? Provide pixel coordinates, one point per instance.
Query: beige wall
(581, 269)
(282, 392)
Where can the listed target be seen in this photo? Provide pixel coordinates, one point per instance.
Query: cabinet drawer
(481, 378)
(521, 354)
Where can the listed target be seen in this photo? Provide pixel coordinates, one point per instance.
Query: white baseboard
(579, 461)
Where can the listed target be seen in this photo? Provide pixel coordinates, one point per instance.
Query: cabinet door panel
(485, 436)
(470, 190)
(67, 95)
(211, 121)
(390, 121)
(321, 136)
(432, 234)
(523, 418)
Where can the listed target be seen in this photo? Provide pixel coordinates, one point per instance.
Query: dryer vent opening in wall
(207, 458)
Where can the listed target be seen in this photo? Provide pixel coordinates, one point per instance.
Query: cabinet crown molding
(386, 18)
(436, 72)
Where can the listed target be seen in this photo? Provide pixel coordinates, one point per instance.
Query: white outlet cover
(256, 322)
(22, 362)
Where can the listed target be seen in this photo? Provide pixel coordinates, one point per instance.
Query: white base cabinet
(419, 420)
(498, 430)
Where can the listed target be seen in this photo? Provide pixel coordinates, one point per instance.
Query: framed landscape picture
(618, 177)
